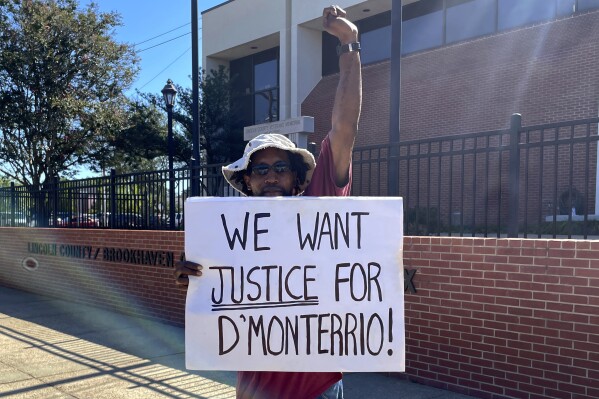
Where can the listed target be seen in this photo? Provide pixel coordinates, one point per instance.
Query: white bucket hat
(261, 142)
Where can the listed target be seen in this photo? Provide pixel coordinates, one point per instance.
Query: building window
(330, 62)
(266, 106)
(566, 7)
(433, 23)
(469, 18)
(256, 87)
(376, 45)
(375, 38)
(266, 90)
(584, 5)
(422, 25)
(514, 13)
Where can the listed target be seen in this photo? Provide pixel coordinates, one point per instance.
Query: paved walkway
(51, 349)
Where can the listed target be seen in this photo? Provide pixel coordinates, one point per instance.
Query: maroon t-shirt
(291, 385)
(322, 183)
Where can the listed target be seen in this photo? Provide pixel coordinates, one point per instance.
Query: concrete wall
(492, 318)
(240, 22)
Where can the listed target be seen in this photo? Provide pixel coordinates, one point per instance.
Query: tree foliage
(4, 182)
(62, 78)
(139, 144)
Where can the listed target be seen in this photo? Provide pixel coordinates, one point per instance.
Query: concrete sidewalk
(51, 348)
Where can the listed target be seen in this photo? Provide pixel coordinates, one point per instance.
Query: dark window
(256, 87)
(265, 86)
(265, 75)
(266, 106)
(584, 5)
(375, 38)
(330, 62)
(470, 18)
(241, 75)
(514, 13)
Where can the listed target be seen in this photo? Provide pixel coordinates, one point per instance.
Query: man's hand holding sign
(297, 284)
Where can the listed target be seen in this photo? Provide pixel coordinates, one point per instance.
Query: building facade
(466, 67)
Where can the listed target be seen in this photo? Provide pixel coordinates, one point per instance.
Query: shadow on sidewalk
(52, 345)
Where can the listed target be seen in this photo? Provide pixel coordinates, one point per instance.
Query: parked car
(103, 218)
(60, 218)
(123, 220)
(78, 221)
(158, 221)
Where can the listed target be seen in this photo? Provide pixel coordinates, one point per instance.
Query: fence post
(55, 201)
(13, 203)
(394, 100)
(514, 175)
(112, 219)
(171, 197)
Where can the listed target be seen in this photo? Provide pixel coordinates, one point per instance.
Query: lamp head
(169, 93)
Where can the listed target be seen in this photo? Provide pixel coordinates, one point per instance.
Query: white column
(285, 49)
(306, 65)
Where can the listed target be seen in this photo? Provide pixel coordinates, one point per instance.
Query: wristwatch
(348, 48)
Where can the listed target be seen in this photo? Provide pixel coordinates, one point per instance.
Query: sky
(165, 24)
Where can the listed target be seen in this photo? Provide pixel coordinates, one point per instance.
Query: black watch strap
(348, 48)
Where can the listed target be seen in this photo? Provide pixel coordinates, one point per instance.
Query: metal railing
(124, 201)
(520, 181)
(536, 181)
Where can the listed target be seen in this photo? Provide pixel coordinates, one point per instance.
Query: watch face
(347, 48)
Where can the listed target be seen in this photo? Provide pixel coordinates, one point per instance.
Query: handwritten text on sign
(295, 284)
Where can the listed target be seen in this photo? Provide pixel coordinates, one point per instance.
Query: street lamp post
(169, 93)
(195, 112)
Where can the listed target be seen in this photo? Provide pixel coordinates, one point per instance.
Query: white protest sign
(295, 284)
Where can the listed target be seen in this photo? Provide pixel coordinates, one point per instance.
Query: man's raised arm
(348, 98)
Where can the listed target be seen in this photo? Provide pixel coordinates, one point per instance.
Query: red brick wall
(548, 73)
(492, 318)
(498, 318)
(133, 288)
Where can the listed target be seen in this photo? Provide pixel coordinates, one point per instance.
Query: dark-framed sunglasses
(278, 167)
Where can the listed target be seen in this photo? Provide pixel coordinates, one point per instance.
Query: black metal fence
(126, 201)
(536, 181)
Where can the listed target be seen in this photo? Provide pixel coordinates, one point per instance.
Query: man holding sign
(272, 166)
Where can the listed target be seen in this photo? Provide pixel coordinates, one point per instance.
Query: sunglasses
(262, 169)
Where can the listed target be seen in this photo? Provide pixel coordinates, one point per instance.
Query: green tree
(62, 78)
(137, 146)
(4, 182)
